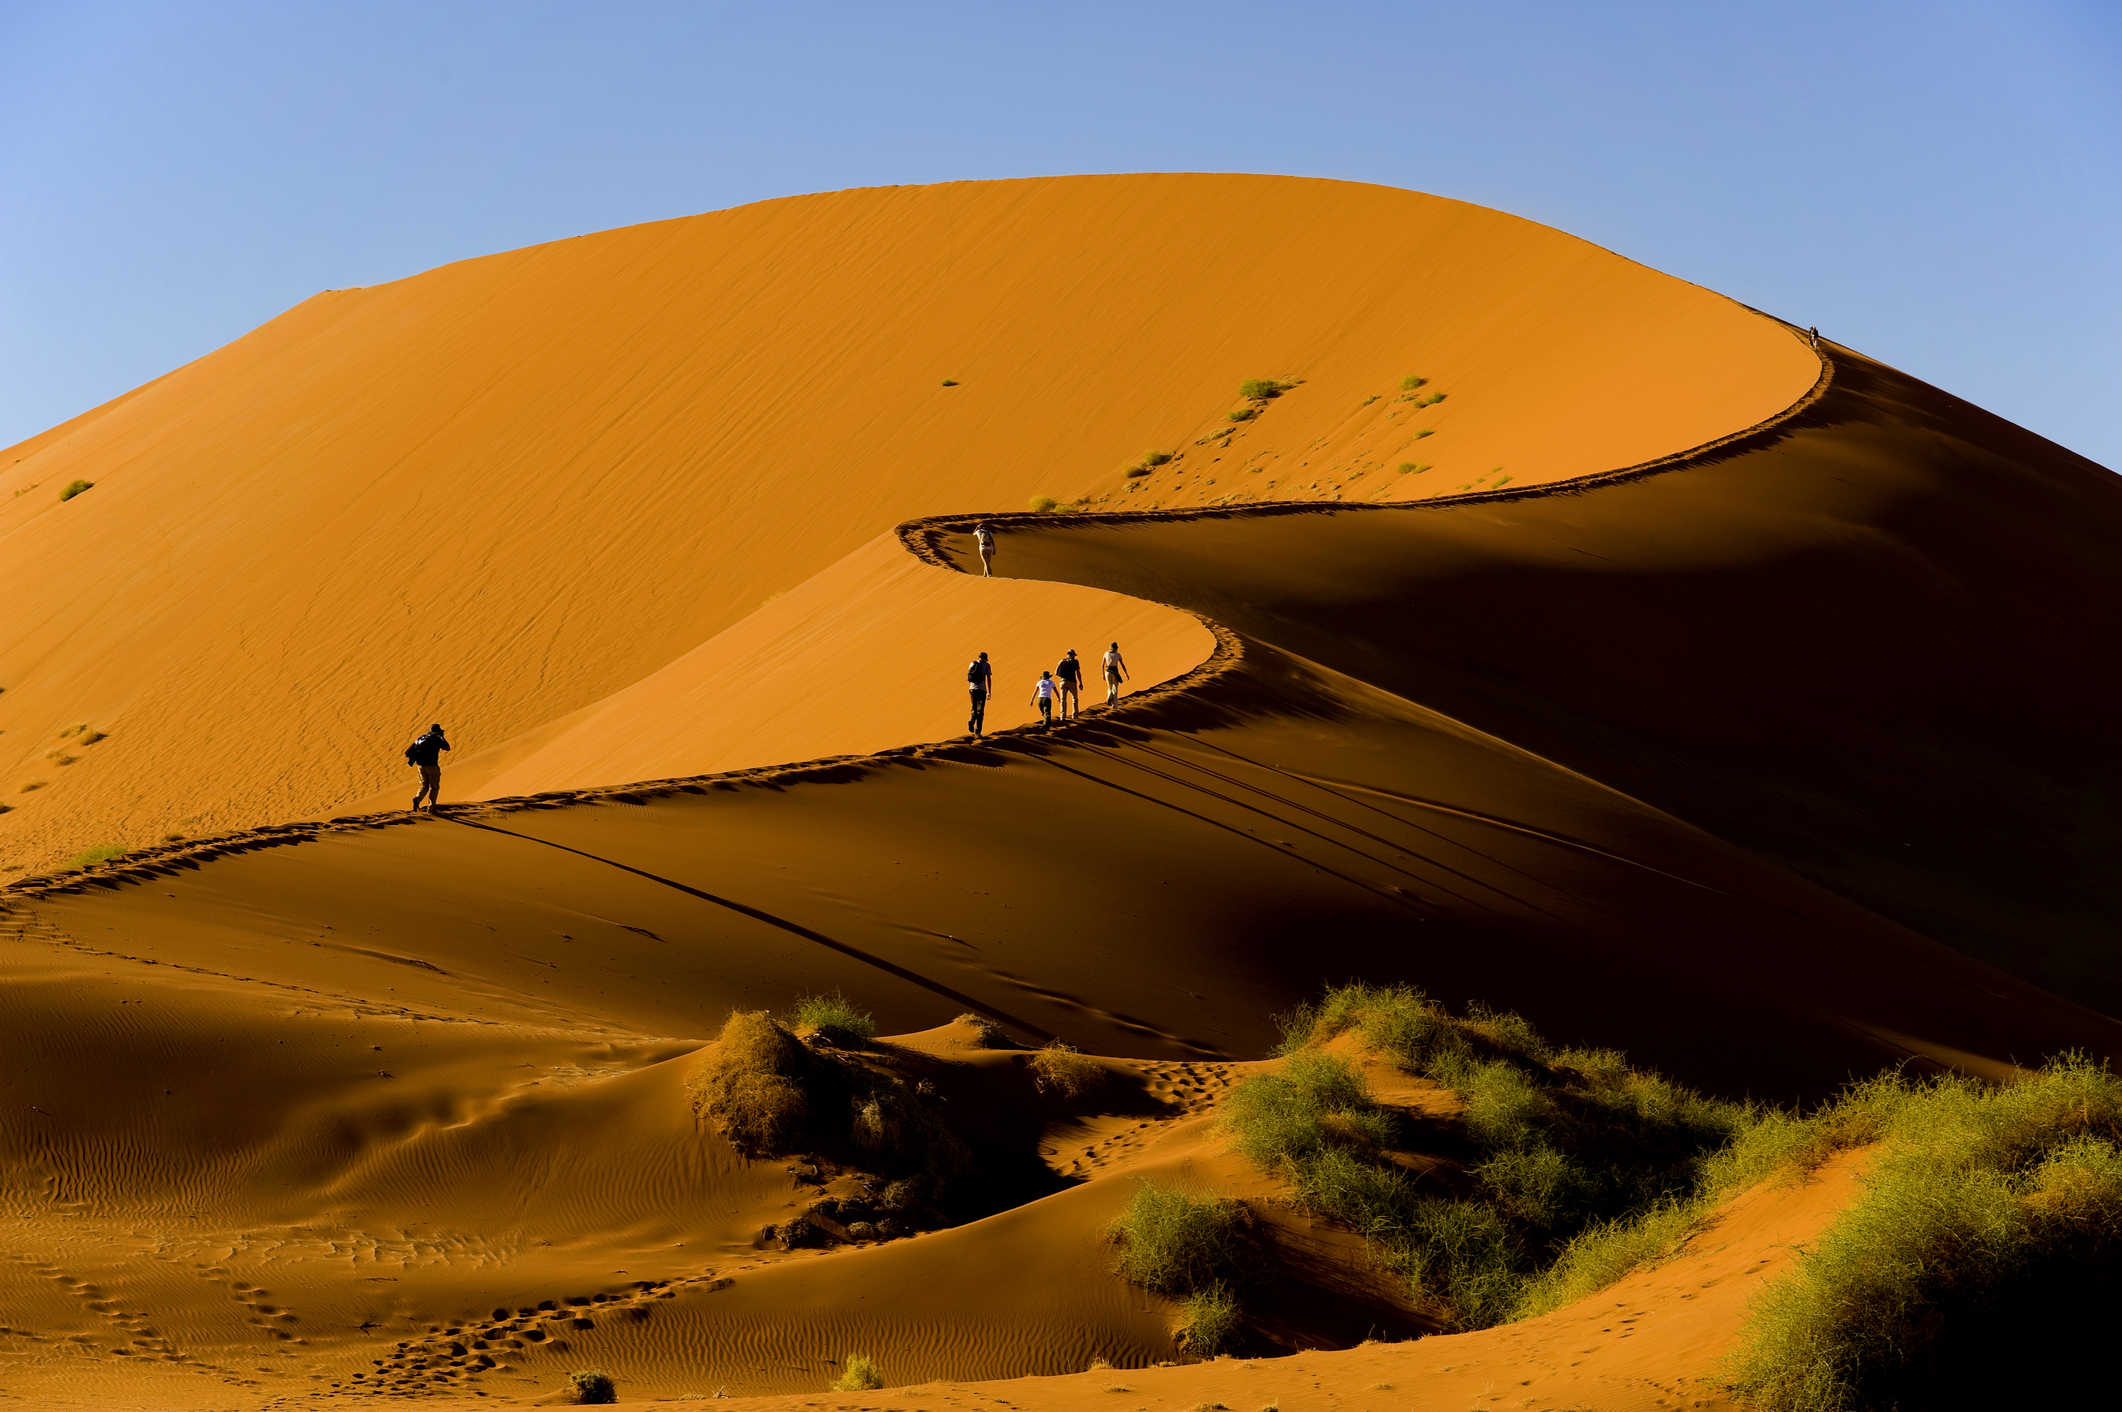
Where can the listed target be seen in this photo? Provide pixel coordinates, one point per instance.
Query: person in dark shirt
(979, 681)
(426, 753)
(1071, 674)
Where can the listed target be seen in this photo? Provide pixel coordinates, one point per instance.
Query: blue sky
(1936, 183)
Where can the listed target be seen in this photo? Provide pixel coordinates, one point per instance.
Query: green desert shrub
(950, 382)
(1137, 472)
(1209, 1322)
(1044, 504)
(1243, 414)
(986, 1033)
(74, 488)
(593, 1387)
(1981, 1265)
(1155, 458)
(1425, 431)
(834, 1017)
(1261, 389)
(859, 1374)
(101, 853)
(1409, 384)
(1175, 1243)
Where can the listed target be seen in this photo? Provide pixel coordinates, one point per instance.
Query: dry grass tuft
(1065, 1071)
(751, 1081)
(860, 1374)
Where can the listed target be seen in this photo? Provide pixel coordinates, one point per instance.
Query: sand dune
(1750, 747)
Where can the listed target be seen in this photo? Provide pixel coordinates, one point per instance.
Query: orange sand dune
(500, 492)
(1762, 760)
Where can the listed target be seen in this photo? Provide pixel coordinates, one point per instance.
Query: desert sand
(1712, 695)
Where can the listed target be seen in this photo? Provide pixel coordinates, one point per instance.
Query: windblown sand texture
(1727, 705)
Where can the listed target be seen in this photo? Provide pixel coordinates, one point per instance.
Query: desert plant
(751, 1079)
(91, 737)
(1243, 414)
(859, 1374)
(29, 786)
(988, 1034)
(1209, 1320)
(74, 488)
(1982, 1263)
(1155, 458)
(1175, 1243)
(950, 382)
(101, 853)
(1065, 1070)
(834, 1017)
(1044, 504)
(1137, 472)
(1424, 431)
(593, 1387)
(1261, 389)
(1409, 384)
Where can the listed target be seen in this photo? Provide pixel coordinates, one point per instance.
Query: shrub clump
(90, 857)
(754, 1079)
(1243, 414)
(1409, 384)
(1981, 1265)
(859, 1374)
(1208, 1322)
(593, 1387)
(1189, 1248)
(988, 1034)
(1044, 504)
(835, 1018)
(1063, 1070)
(74, 488)
(1137, 472)
(1262, 389)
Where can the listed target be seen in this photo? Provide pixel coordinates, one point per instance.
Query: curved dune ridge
(504, 491)
(1749, 748)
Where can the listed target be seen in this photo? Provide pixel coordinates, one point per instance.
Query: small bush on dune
(593, 1387)
(1410, 384)
(1209, 1321)
(1243, 414)
(1155, 458)
(1137, 472)
(101, 853)
(859, 1374)
(834, 1017)
(74, 488)
(989, 1035)
(1064, 1070)
(1174, 1243)
(751, 1079)
(1044, 504)
(1261, 389)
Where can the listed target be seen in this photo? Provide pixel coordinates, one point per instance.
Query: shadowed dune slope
(1858, 644)
(499, 492)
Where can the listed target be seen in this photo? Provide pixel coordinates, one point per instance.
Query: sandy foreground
(1710, 695)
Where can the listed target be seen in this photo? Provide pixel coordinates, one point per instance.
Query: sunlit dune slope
(1854, 643)
(502, 491)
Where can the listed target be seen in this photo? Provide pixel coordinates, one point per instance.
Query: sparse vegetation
(74, 488)
(753, 1079)
(1243, 414)
(1366, 401)
(1409, 384)
(950, 382)
(1064, 1070)
(1137, 472)
(1413, 468)
(834, 1018)
(1044, 504)
(29, 786)
(859, 1374)
(1175, 1243)
(1982, 1264)
(990, 1034)
(1426, 431)
(1262, 389)
(90, 737)
(90, 857)
(1209, 1321)
(593, 1387)
(1155, 458)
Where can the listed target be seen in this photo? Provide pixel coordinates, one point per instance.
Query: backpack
(411, 751)
(975, 672)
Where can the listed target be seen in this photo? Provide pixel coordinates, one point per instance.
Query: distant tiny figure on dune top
(426, 753)
(1043, 692)
(1070, 673)
(1115, 673)
(984, 536)
(979, 681)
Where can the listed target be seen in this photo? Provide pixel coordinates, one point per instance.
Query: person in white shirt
(984, 536)
(1043, 692)
(1115, 673)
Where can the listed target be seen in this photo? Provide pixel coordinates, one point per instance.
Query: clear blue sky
(1937, 183)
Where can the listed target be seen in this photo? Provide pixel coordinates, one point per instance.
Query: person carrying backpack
(979, 681)
(1043, 692)
(1115, 673)
(426, 753)
(1070, 673)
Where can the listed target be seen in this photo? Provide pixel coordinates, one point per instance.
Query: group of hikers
(1060, 690)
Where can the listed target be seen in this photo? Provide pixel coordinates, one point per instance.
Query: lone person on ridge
(1043, 698)
(426, 752)
(1115, 673)
(984, 536)
(979, 681)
